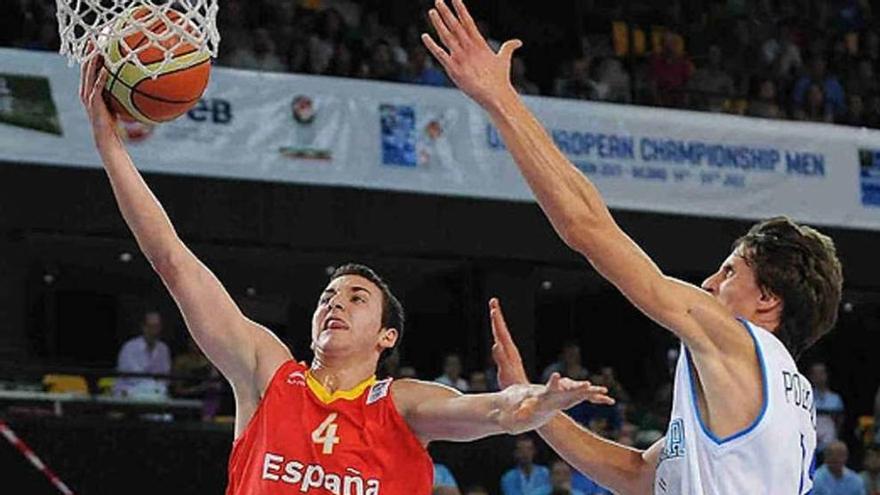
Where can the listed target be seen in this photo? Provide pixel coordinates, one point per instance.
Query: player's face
(348, 318)
(735, 286)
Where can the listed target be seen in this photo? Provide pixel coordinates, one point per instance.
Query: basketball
(153, 38)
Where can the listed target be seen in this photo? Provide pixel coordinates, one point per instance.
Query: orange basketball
(181, 69)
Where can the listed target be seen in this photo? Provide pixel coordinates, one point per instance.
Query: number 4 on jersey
(325, 434)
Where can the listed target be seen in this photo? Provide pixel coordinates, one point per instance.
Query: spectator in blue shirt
(444, 481)
(527, 478)
(831, 87)
(834, 478)
(420, 70)
(562, 480)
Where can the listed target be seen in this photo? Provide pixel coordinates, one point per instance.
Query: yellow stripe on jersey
(326, 397)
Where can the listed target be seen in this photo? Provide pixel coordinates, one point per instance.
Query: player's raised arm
(623, 469)
(571, 202)
(437, 412)
(243, 351)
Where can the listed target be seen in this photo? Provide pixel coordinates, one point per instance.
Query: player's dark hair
(392, 310)
(799, 265)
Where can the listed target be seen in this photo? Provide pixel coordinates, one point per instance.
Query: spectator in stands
(420, 69)
(444, 481)
(829, 407)
(583, 484)
(855, 111)
(569, 364)
(324, 43)
(851, 15)
(627, 435)
(478, 383)
(560, 479)
(203, 380)
(711, 87)
(615, 80)
(257, 52)
(145, 353)
(519, 79)
(381, 64)
(862, 79)
(670, 72)
(452, 370)
(342, 64)
(828, 84)
(764, 103)
(815, 108)
(576, 82)
(834, 478)
(872, 46)
(871, 474)
(476, 490)
(615, 388)
(408, 372)
(872, 112)
(526, 478)
(781, 54)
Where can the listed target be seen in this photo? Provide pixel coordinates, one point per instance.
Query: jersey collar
(326, 397)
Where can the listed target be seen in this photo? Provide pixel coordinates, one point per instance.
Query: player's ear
(768, 301)
(388, 337)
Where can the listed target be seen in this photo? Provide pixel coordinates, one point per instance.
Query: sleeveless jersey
(773, 455)
(302, 439)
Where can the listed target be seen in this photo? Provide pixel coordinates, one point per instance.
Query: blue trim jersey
(772, 455)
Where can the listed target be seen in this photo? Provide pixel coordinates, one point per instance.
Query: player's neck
(341, 374)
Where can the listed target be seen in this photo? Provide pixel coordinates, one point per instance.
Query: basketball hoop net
(89, 28)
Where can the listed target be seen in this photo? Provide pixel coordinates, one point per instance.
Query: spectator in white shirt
(452, 371)
(145, 353)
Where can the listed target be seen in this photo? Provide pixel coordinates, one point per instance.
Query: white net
(112, 29)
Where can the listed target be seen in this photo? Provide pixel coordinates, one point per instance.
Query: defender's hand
(469, 61)
(512, 372)
(531, 406)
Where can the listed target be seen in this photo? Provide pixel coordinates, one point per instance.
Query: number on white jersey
(325, 434)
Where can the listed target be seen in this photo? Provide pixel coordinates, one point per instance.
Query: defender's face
(734, 285)
(348, 317)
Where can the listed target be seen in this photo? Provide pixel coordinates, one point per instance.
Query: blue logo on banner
(870, 176)
(399, 137)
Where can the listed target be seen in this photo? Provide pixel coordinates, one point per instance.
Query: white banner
(342, 132)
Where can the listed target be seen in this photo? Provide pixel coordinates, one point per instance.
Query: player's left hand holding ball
(93, 79)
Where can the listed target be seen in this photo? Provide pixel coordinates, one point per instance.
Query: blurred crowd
(811, 60)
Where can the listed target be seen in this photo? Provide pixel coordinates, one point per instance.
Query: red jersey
(303, 439)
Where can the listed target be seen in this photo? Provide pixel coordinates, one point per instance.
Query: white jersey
(774, 455)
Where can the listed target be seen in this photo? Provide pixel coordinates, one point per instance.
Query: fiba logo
(306, 142)
(303, 110)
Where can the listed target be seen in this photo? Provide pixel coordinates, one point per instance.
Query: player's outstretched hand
(536, 404)
(504, 351)
(91, 93)
(527, 407)
(468, 59)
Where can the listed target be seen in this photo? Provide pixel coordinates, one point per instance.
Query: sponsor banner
(343, 132)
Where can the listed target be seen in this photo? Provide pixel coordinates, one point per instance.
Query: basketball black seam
(163, 100)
